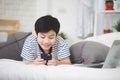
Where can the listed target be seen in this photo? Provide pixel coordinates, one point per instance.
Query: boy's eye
(42, 37)
(52, 37)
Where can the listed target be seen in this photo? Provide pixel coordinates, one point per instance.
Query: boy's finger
(53, 57)
(39, 57)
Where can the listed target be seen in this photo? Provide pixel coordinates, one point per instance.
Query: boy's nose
(46, 40)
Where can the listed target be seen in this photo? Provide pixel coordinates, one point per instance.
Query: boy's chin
(46, 48)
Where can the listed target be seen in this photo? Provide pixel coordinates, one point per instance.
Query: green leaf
(63, 35)
(117, 26)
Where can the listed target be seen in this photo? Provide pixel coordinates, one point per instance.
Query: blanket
(17, 70)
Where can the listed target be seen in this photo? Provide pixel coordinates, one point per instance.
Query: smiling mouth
(46, 46)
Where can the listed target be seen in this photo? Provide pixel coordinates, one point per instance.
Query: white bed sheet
(17, 70)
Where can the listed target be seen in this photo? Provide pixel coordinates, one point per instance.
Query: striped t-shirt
(31, 49)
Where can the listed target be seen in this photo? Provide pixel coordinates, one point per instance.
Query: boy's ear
(36, 34)
(57, 35)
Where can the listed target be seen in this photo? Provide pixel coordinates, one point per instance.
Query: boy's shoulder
(60, 40)
(31, 38)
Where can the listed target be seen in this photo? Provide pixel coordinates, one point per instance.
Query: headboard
(13, 23)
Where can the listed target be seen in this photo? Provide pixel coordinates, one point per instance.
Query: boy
(46, 47)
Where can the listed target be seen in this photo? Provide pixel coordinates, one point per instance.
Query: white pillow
(3, 37)
(106, 39)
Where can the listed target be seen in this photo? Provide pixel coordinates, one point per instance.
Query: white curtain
(85, 18)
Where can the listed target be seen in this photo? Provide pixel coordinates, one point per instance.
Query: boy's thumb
(53, 57)
(39, 57)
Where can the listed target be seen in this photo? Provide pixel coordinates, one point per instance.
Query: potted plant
(63, 35)
(109, 4)
(117, 26)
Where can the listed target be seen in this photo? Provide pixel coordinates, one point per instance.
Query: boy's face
(46, 40)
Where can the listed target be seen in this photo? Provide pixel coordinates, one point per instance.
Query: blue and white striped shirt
(31, 50)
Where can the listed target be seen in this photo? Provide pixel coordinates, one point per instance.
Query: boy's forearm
(65, 61)
(56, 62)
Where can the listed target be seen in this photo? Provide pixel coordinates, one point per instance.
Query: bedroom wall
(22, 10)
(65, 11)
(27, 11)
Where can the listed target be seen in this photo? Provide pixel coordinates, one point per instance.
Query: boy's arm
(59, 62)
(64, 61)
(37, 61)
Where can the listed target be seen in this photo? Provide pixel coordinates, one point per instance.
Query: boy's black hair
(47, 23)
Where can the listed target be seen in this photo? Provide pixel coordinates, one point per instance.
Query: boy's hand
(53, 61)
(39, 61)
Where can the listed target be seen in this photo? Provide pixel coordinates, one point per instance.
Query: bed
(16, 70)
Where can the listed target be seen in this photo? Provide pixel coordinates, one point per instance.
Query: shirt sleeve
(61, 48)
(29, 49)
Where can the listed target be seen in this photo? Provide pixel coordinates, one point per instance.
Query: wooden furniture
(13, 23)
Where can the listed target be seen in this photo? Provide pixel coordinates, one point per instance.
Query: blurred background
(79, 19)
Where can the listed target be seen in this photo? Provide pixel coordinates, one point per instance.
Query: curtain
(85, 18)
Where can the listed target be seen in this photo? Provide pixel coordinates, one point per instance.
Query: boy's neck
(47, 51)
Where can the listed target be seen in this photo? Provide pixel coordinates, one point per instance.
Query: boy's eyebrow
(49, 35)
(52, 35)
